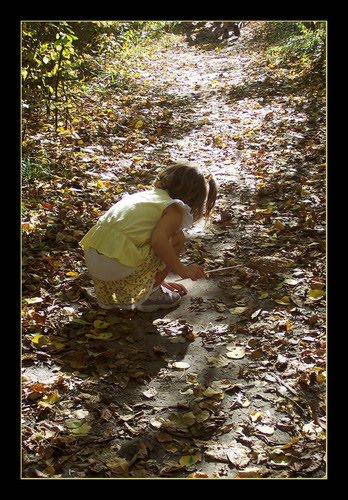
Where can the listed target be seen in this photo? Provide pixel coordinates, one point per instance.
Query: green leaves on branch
(58, 56)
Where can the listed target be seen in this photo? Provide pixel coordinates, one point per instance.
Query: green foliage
(33, 171)
(49, 64)
(57, 57)
(297, 44)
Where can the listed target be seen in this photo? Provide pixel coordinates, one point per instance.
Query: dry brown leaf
(163, 437)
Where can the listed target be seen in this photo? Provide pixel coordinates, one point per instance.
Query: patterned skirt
(129, 292)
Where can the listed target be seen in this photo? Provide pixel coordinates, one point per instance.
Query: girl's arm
(168, 225)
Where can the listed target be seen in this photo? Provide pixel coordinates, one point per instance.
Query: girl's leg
(178, 241)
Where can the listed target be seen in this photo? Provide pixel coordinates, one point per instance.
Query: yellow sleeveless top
(124, 231)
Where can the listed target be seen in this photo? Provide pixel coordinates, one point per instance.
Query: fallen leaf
(192, 378)
(316, 294)
(180, 365)
(238, 310)
(72, 273)
(118, 466)
(150, 393)
(82, 430)
(187, 392)
(33, 300)
(210, 392)
(170, 447)
(156, 423)
(265, 429)
(291, 281)
(169, 468)
(40, 339)
(199, 475)
(100, 325)
(281, 461)
(163, 437)
(202, 416)
(218, 361)
(72, 423)
(188, 460)
(256, 415)
(249, 472)
(100, 336)
(285, 300)
(48, 400)
(235, 352)
(47, 205)
(238, 454)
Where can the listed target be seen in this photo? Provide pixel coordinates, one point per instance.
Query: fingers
(197, 274)
(176, 287)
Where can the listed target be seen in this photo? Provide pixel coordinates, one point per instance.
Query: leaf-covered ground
(232, 383)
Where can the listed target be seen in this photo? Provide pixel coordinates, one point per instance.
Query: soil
(103, 396)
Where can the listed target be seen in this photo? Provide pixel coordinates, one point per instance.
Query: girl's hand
(193, 271)
(175, 287)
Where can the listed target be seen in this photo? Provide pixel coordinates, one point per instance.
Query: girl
(137, 242)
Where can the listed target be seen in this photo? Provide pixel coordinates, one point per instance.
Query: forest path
(218, 387)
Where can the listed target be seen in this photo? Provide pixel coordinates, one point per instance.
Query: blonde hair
(185, 182)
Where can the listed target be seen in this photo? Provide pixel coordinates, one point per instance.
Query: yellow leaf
(72, 423)
(278, 225)
(139, 124)
(187, 392)
(285, 300)
(192, 378)
(82, 430)
(80, 141)
(188, 460)
(100, 184)
(187, 419)
(217, 139)
(27, 226)
(238, 310)
(316, 294)
(49, 399)
(100, 325)
(263, 294)
(210, 392)
(288, 325)
(256, 415)
(40, 339)
(202, 416)
(71, 273)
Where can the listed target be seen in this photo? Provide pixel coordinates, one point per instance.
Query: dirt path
(211, 389)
